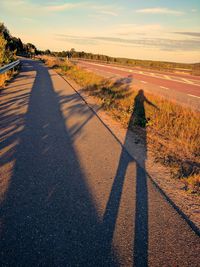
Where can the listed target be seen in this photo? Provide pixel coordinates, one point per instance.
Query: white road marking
(187, 81)
(158, 76)
(163, 87)
(105, 72)
(194, 96)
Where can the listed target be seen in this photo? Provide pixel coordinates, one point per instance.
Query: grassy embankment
(172, 132)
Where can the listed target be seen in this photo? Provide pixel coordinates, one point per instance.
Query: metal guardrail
(9, 66)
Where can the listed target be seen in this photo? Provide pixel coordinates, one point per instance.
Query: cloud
(17, 2)
(159, 43)
(33, 8)
(26, 19)
(109, 13)
(23, 8)
(128, 29)
(100, 9)
(63, 7)
(164, 44)
(98, 16)
(194, 34)
(107, 10)
(160, 10)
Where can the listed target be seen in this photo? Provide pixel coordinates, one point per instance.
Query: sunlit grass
(7, 76)
(173, 131)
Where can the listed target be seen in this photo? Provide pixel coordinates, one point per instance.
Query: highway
(71, 194)
(185, 89)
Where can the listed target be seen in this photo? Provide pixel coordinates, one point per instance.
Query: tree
(3, 43)
(31, 49)
(72, 52)
(196, 69)
(47, 52)
(4, 31)
(6, 56)
(11, 46)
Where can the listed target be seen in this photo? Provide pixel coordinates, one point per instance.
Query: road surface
(70, 194)
(184, 89)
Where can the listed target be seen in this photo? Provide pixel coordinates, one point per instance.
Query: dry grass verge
(170, 130)
(7, 76)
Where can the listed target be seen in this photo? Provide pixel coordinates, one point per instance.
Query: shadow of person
(138, 117)
(137, 121)
(48, 216)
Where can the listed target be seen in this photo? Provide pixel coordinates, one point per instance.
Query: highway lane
(182, 88)
(70, 193)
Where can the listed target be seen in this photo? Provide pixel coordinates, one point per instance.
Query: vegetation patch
(5, 77)
(170, 130)
(10, 47)
(192, 184)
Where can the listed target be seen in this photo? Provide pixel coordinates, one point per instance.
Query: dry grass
(172, 131)
(192, 184)
(7, 76)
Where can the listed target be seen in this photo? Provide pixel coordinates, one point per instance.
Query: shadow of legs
(141, 219)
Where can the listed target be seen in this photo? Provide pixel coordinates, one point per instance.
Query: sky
(141, 29)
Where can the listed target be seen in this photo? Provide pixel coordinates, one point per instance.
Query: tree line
(150, 64)
(11, 46)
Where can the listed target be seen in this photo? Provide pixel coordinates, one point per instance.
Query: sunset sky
(145, 29)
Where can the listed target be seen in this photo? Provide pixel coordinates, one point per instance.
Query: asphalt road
(184, 89)
(70, 194)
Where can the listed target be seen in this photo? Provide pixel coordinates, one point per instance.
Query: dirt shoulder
(187, 204)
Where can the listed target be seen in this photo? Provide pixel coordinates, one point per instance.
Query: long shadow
(140, 255)
(80, 108)
(11, 122)
(120, 89)
(48, 217)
